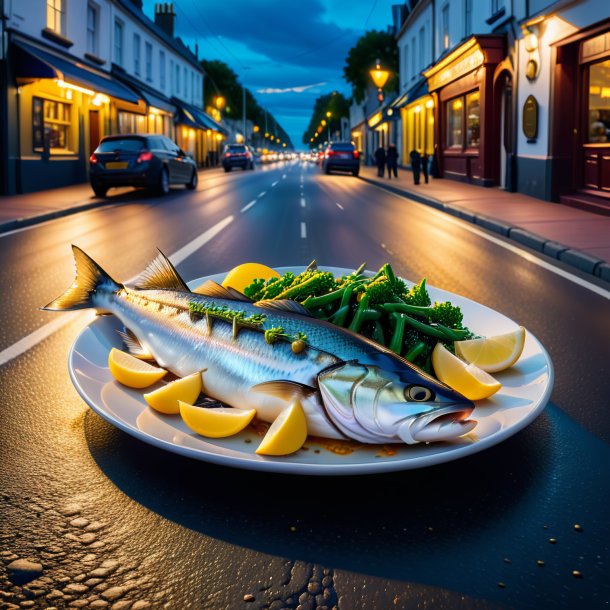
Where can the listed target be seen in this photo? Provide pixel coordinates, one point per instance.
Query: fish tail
(90, 277)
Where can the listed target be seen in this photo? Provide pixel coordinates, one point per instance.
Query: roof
(175, 43)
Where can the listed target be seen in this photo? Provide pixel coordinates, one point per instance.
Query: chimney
(165, 18)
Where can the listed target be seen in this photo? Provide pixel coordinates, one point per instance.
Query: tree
(338, 106)
(361, 59)
(221, 80)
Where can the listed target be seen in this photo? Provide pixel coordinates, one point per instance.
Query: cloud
(290, 89)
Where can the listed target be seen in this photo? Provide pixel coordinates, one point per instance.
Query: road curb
(28, 221)
(569, 256)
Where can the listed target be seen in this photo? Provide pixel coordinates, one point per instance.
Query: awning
(418, 90)
(195, 117)
(148, 94)
(32, 62)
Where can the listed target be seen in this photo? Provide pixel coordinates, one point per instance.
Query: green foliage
(418, 295)
(335, 103)
(361, 59)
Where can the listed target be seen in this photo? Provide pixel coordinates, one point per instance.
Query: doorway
(94, 130)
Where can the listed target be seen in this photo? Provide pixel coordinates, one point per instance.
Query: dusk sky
(281, 45)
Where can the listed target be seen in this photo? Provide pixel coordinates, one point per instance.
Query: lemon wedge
(287, 433)
(165, 399)
(467, 379)
(493, 354)
(131, 371)
(243, 275)
(215, 423)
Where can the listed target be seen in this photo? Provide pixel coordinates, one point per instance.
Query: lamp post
(380, 78)
(329, 114)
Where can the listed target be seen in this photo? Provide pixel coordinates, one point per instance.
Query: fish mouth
(445, 424)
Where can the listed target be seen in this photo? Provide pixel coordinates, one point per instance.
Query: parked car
(341, 156)
(151, 161)
(237, 155)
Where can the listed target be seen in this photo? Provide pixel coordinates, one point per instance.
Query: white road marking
(340, 206)
(386, 248)
(33, 339)
(516, 250)
(247, 207)
(303, 231)
(262, 194)
(284, 176)
(302, 202)
(275, 183)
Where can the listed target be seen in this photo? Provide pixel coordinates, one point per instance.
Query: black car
(151, 161)
(341, 156)
(237, 155)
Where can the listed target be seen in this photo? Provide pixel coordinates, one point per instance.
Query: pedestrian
(415, 165)
(380, 160)
(424, 166)
(392, 161)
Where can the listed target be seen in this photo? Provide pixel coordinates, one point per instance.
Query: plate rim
(280, 464)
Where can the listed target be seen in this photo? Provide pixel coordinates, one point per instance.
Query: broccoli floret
(252, 291)
(418, 295)
(383, 291)
(308, 284)
(446, 314)
(260, 290)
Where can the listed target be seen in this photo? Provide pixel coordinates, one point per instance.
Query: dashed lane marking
(39, 335)
(340, 206)
(262, 194)
(249, 205)
(302, 202)
(275, 183)
(303, 231)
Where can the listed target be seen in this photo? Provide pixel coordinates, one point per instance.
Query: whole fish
(267, 354)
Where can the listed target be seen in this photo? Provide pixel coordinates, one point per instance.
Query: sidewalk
(17, 211)
(575, 237)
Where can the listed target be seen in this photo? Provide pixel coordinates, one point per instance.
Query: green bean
(358, 316)
(371, 314)
(424, 328)
(415, 351)
(340, 316)
(347, 295)
(325, 299)
(389, 272)
(452, 333)
(378, 333)
(405, 308)
(399, 332)
(360, 269)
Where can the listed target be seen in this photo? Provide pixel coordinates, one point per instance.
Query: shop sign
(530, 118)
(376, 118)
(455, 70)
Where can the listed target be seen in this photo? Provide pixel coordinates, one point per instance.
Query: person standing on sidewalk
(380, 160)
(415, 165)
(392, 161)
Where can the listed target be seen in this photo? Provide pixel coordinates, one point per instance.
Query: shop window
(130, 122)
(599, 103)
(51, 120)
(56, 16)
(454, 123)
(473, 120)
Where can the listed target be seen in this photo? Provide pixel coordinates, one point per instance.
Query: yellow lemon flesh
(215, 423)
(131, 371)
(287, 433)
(165, 399)
(493, 354)
(243, 275)
(467, 379)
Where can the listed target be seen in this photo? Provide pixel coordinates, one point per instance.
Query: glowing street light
(380, 78)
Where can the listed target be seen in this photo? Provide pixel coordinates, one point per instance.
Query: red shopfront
(467, 115)
(580, 136)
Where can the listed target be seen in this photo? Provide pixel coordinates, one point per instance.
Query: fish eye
(418, 393)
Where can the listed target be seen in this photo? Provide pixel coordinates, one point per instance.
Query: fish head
(391, 401)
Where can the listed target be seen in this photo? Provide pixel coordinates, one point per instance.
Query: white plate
(526, 388)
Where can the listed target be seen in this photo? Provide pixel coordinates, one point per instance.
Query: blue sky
(279, 45)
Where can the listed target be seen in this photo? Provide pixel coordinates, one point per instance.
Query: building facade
(73, 72)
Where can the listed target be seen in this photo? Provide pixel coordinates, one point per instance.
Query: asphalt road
(117, 523)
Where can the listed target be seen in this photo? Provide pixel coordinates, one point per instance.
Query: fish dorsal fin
(283, 305)
(133, 345)
(161, 275)
(284, 389)
(214, 290)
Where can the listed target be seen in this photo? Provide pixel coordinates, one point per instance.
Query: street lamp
(329, 114)
(380, 78)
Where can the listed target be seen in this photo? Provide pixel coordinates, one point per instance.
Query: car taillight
(93, 159)
(227, 155)
(356, 154)
(330, 153)
(144, 157)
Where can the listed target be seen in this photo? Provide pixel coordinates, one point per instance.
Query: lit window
(91, 30)
(473, 120)
(599, 102)
(162, 70)
(51, 120)
(118, 43)
(136, 54)
(148, 59)
(56, 16)
(445, 26)
(454, 123)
